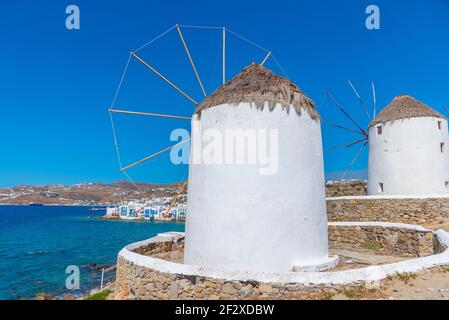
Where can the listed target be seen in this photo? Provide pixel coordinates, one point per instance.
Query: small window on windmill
(379, 130)
(439, 125)
(380, 187)
(442, 147)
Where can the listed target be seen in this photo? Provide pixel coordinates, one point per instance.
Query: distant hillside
(99, 194)
(87, 193)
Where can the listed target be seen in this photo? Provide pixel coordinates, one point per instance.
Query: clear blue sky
(56, 84)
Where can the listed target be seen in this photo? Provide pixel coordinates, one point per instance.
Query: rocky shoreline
(108, 286)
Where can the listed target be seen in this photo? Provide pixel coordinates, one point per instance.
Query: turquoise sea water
(38, 243)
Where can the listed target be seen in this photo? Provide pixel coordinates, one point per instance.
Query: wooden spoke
(175, 198)
(345, 113)
(374, 99)
(360, 100)
(191, 60)
(266, 58)
(339, 126)
(348, 145)
(354, 160)
(149, 114)
(163, 78)
(153, 155)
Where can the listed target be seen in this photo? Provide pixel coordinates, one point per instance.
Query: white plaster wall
(240, 220)
(407, 159)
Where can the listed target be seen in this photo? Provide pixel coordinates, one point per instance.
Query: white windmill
(223, 33)
(407, 147)
(238, 219)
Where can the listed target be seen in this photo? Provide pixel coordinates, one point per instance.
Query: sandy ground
(427, 286)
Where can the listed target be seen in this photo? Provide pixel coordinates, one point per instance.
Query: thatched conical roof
(258, 85)
(404, 107)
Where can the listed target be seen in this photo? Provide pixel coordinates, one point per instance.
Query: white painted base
(367, 275)
(317, 266)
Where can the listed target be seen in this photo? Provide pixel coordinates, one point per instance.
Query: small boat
(36, 204)
(98, 209)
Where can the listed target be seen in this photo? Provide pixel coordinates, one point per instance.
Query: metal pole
(102, 278)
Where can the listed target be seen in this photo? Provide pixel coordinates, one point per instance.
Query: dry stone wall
(134, 281)
(382, 240)
(401, 210)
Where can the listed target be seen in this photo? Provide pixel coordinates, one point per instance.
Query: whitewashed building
(240, 218)
(408, 153)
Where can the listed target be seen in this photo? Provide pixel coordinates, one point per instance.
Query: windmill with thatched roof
(408, 150)
(240, 219)
(407, 144)
(267, 215)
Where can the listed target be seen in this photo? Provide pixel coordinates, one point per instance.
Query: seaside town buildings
(152, 210)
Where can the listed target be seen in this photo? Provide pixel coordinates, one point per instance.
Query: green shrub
(406, 277)
(327, 296)
(351, 294)
(102, 295)
(372, 245)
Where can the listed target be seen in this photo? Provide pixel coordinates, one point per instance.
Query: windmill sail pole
(360, 99)
(163, 78)
(224, 55)
(374, 99)
(346, 114)
(152, 156)
(346, 145)
(353, 161)
(175, 199)
(266, 58)
(191, 60)
(149, 114)
(339, 126)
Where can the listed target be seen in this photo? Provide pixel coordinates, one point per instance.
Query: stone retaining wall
(136, 282)
(140, 275)
(382, 240)
(390, 209)
(166, 250)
